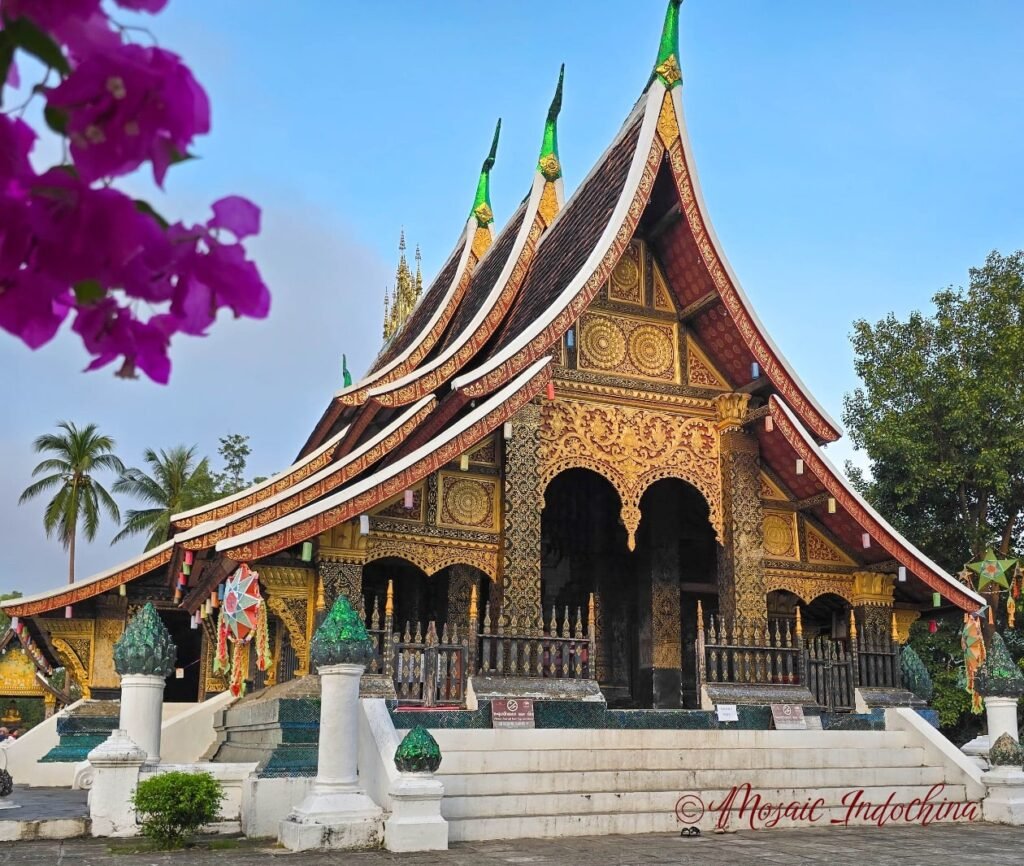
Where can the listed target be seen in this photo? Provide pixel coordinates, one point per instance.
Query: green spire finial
(341, 638)
(548, 164)
(666, 67)
(482, 203)
(146, 646)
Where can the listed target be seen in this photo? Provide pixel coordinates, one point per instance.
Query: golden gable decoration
(395, 508)
(820, 549)
(632, 448)
(626, 284)
(771, 490)
(662, 296)
(467, 502)
(628, 346)
(700, 372)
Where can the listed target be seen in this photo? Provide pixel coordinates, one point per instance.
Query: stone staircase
(507, 784)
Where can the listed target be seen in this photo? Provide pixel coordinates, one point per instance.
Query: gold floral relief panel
(626, 284)
(628, 346)
(820, 549)
(467, 501)
(780, 535)
(632, 448)
(18, 674)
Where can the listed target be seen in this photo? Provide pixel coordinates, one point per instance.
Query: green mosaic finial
(1006, 752)
(418, 752)
(915, 675)
(482, 203)
(146, 646)
(999, 676)
(549, 164)
(666, 67)
(341, 638)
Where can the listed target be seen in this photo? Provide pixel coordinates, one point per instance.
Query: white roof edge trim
(499, 286)
(365, 484)
(217, 503)
(677, 101)
(78, 584)
(652, 108)
(809, 440)
(463, 252)
(356, 453)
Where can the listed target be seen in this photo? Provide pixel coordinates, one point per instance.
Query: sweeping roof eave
(899, 548)
(391, 479)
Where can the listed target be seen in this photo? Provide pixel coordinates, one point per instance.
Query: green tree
(234, 451)
(76, 456)
(177, 481)
(940, 414)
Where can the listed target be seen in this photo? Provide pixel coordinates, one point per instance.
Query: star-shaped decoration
(669, 71)
(992, 570)
(966, 577)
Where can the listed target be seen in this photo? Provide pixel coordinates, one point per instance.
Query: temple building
(578, 462)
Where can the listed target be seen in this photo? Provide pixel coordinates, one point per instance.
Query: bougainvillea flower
(129, 105)
(16, 141)
(151, 6)
(236, 214)
(32, 306)
(110, 331)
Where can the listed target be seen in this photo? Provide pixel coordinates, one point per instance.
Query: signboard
(512, 713)
(727, 712)
(789, 717)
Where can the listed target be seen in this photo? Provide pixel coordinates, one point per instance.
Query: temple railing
(775, 652)
(428, 670)
(563, 650)
(379, 622)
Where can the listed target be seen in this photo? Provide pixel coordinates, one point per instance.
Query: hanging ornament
(992, 570)
(973, 646)
(243, 617)
(933, 626)
(1011, 612)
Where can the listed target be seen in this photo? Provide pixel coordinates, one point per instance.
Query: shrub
(173, 806)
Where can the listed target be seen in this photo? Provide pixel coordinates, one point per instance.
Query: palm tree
(76, 455)
(176, 482)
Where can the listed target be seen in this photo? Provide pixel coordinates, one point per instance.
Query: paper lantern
(408, 500)
(551, 390)
(507, 430)
(307, 551)
(865, 540)
(799, 466)
(933, 626)
(16, 624)
(364, 524)
(186, 568)
(769, 423)
(189, 557)
(179, 673)
(755, 370)
(122, 590)
(67, 612)
(831, 505)
(936, 600)
(570, 338)
(464, 462)
(903, 574)
(194, 622)
(242, 601)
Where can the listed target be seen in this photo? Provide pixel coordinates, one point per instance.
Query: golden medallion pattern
(780, 535)
(467, 502)
(626, 283)
(628, 346)
(632, 448)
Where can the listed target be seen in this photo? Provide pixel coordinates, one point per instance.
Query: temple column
(741, 586)
(520, 579)
(461, 580)
(872, 602)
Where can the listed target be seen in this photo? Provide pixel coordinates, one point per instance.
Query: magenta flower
(110, 331)
(32, 306)
(16, 141)
(151, 6)
(130, 105)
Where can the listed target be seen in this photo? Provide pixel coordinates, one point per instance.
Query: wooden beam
(761, 383)
(811, 502)
(693, 310)
(665, 221)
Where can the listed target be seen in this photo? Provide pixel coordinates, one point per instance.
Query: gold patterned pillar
(461, 581)
(520, 579)
(340, 577)
(741, 584)
(872, 601)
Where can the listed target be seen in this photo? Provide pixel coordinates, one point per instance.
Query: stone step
(477, 785)
(632, 823)
(640, 802)
(489, 739)
(735, 759)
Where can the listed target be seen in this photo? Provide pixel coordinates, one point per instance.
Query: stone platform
(44, 813)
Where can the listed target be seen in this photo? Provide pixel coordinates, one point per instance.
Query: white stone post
(415, 823)
(117, 761)
(1001, 714)
(142, 703)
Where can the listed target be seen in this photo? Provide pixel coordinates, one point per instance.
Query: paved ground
(976, 844)
(51, 803)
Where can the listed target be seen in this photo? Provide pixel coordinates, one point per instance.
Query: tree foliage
(77, 456)
(941, 414)
(177, 481)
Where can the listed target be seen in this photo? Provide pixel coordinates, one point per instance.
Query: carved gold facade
(632, 448)
(291, 597)
(18, 675)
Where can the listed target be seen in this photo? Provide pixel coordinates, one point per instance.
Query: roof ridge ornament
(548, 164)
(666, 67)
(482, 203)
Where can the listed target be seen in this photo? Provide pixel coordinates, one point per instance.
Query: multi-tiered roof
(478, 346)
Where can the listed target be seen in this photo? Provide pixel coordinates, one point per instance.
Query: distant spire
(387, 315)
(666, 67)
(482, 203)
(549, 164)
(419, 272)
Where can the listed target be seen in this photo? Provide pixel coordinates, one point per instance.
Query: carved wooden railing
(564, 650)
(745, 652)
(380, 626)
(876, 656)
(831, 673)
(428, 670)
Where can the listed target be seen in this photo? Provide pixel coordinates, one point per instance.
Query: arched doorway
(646, 600)
(418, 598)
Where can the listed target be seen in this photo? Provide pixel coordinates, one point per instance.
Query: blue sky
(855, 155)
